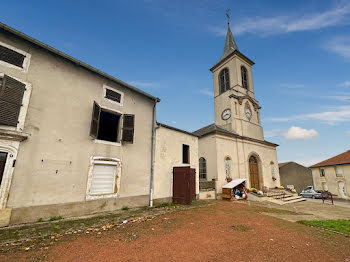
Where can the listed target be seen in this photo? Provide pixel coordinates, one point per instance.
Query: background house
(292, 173)
(333, 175)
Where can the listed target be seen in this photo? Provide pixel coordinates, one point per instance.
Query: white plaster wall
(331, 179)
(168, 154)
(58, 120)
(207, 149)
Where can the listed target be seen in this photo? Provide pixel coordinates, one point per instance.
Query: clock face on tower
(248, 113)
(226, 114)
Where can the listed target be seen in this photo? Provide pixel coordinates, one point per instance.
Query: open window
(185, 154)
(106, 125)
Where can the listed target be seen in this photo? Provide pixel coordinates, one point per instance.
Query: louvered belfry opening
(112, 95)
(11, 96)
(12, 57)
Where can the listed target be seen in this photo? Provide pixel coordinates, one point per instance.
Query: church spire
(230, 44)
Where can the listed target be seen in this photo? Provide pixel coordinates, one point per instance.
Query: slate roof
(230, 43)
(215, 128)
(176, 129)
(343, 158)
(212, 128)
(52, 50)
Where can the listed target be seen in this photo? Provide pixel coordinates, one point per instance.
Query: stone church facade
(234, 146)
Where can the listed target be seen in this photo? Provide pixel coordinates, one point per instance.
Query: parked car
(312, 193)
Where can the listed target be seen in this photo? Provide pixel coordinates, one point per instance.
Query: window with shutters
(112, 95)
(104, 177)
(111, 126)
(11, 98)
(14, 57)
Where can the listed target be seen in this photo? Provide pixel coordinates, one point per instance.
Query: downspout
(153, 138)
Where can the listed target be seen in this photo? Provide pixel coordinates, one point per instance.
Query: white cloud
(144, 84)
(340, 46)
(289, 23)
(206, 92)
(342, 114)
(297, 133)
(345, 83)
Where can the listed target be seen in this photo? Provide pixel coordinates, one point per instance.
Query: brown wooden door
(184, 184)
(254, 173)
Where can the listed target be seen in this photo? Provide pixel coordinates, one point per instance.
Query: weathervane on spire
(228, 15)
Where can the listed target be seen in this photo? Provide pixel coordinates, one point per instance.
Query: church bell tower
(236, 108)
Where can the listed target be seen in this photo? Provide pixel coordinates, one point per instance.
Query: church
(234, 146)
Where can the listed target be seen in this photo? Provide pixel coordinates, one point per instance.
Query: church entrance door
(254, 173)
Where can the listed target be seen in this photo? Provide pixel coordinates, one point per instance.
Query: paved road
(337, 202)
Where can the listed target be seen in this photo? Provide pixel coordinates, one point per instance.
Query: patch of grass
(40, 220)
(165, 204)
(242, 228)
(54, 218)
(339, 225)
(125, 208)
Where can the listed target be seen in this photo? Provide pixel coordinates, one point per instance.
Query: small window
(339, 171)
(322, 172)
(185, 154)
(12, 57)
(105, 125)
(224, 80)
(202, 168)
(113, 95)
(244, 73)
(228, 167)
(103, 179)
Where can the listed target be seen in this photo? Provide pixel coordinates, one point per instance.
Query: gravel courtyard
(223, 231)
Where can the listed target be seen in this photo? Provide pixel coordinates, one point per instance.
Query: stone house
(333, 175)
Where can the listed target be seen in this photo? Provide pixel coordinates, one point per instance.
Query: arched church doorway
(254, 172)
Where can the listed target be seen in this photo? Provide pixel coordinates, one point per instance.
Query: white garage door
(103, 179)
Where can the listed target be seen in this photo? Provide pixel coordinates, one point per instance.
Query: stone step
(293, 198)
(293, 201)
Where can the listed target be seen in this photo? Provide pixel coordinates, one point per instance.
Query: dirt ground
(224, 231)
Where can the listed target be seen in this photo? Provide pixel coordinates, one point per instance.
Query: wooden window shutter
(11, 96)
(95, 120)
(128, 128)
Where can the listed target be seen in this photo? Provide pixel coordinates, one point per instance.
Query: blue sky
(301, 50)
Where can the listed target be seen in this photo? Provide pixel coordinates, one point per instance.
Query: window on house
(113, 95)
(228, 167)
(11, 96)
(202, 168)
(108, 127)
(322, 172)
(273, 172)
(105, 125)
(224, 80)
(185, 154)
(339, 171)
(10, 56)
(244, 74)
(103, 179)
